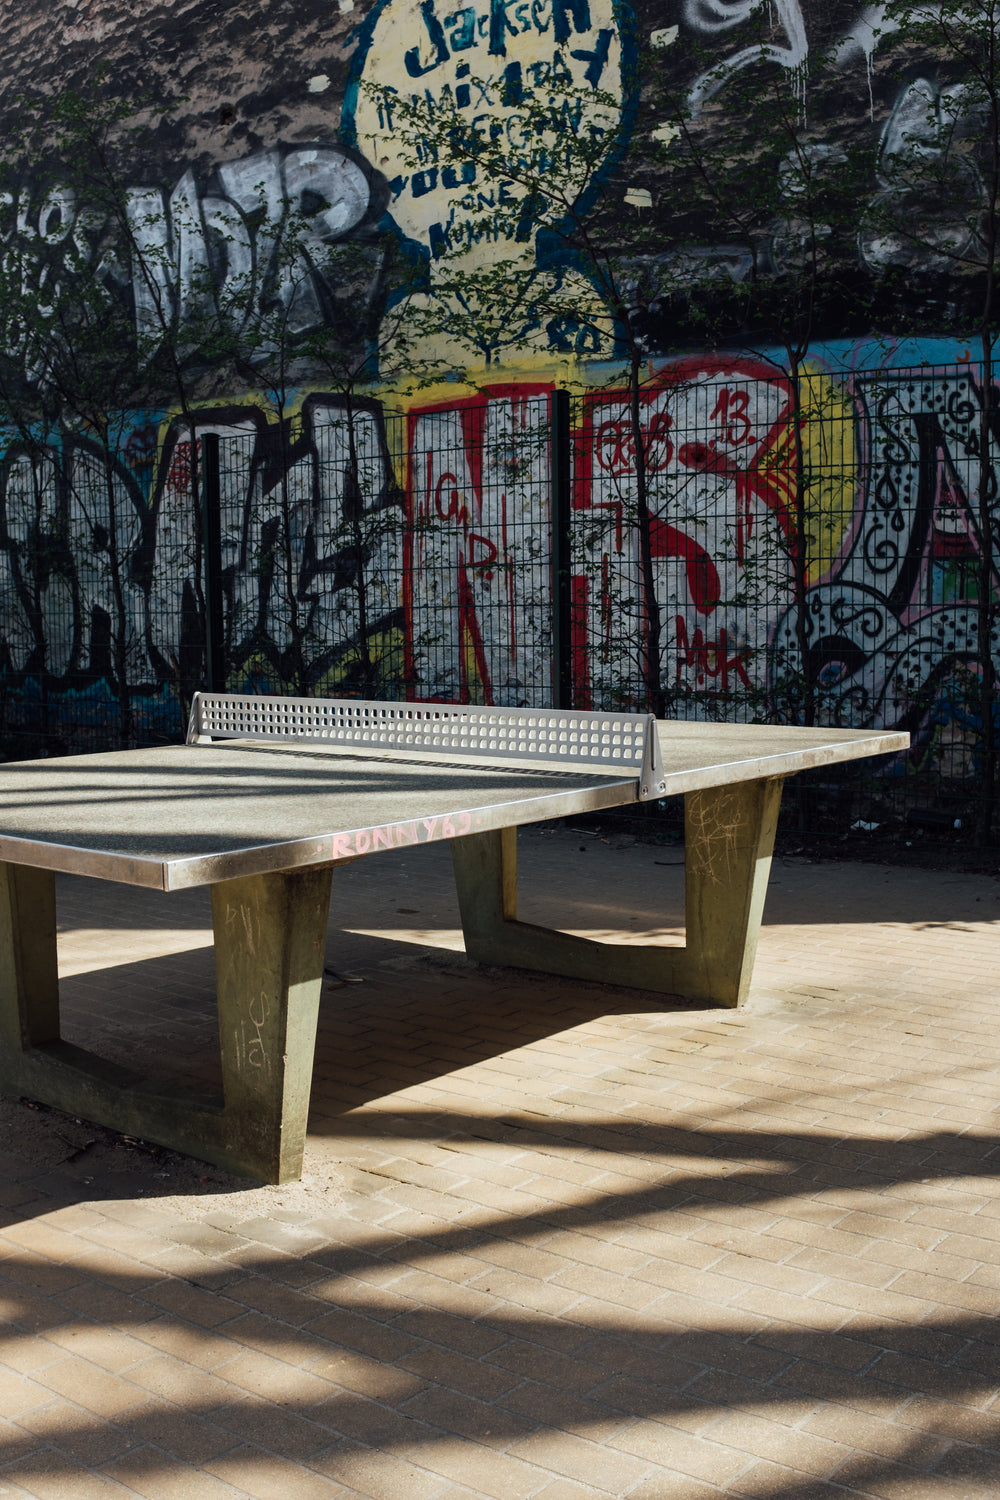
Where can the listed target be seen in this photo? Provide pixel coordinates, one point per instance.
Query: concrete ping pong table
(268, 795)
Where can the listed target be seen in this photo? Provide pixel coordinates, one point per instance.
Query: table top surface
(182, 815)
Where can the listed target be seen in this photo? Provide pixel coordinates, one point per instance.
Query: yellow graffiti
(826, 460)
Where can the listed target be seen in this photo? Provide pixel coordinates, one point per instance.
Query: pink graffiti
(397, 835)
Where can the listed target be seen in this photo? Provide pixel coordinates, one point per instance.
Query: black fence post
(211, 551)
(560, 472)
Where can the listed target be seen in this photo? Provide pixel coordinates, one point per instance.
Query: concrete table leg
(729, 838)
(29, 982)
(270, 939)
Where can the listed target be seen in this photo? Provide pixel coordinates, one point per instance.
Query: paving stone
(475, 1378)
(19, 1395)
(379, 1475)
(150, 1473)
(450, 1410)
(53, 1476)
(596, 1464)
(18, 1439)
(485, 1472)
(72, 1430)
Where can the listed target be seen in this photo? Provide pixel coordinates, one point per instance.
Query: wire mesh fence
(724, 543)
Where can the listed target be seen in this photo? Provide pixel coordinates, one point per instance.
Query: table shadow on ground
(407, 1016)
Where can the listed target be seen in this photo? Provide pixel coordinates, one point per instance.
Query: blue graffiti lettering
(440, 237)
(450, 177)
(512, 87)
(561, 12)
(462, 29)
(435, 33)
(500, 25)
(597, 59)
(424, 182)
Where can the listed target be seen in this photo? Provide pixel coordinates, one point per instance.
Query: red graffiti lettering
(382, 838)
(447, 486)
(614, 444)
(342, 846)
(730, 411)
(179, 477)
(702, 574)
(710, 658)
(771, 480)
(482, 552)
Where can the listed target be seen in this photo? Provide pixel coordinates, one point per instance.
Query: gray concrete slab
(181, 815)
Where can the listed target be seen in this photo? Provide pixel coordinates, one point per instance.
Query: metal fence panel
(815, 551)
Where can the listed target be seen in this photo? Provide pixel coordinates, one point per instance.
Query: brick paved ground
(553, 1240)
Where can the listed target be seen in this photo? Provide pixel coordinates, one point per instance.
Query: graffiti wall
(374, 550)
(283, 176)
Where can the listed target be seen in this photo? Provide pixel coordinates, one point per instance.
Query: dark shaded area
(233, 82)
